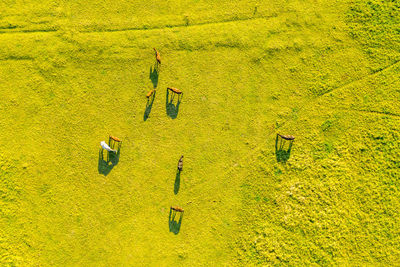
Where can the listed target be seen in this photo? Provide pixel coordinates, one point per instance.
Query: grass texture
(326, 72)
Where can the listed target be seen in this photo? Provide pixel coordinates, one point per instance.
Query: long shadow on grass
(174, 226)
(282, 154)
(177, 182)
(154, 75)
(105, 166)
(172, 109)
(149, 105)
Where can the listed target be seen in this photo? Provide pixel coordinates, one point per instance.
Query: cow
(175, 90)
(158, 57)
(112, 140)
(180, 163)
(286, 137)
(104, 145)
(178, 209)
(150, 93)
(116, 139)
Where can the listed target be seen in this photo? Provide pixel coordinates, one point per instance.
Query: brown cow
(158, 57)
(180, 163)
(112, 140)
(150, 93)
(178, 209)
(116, 139)
(286, 137)
(175, 90)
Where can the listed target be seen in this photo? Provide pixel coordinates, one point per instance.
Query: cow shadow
(106, 165)
(174, 225)
(171, 108)
(154, 75)
(177, 182)
(282, 154)
(149, 105)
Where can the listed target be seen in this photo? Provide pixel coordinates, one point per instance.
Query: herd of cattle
(113, 141)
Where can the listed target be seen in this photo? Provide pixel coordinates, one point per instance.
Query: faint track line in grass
(180, 25)
(362, 78)
(308, 103)
(143, 28)
(29, 31)
(183, 25)
(387, 67)
(13, 58)
(252, 153)
(372, 111)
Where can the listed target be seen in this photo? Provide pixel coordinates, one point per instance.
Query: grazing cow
(180, 163)
(106, 147)
(175, 90)
(116, 139)
(286, 137)
(112, 140)
(282, 153)
(158, 57)
(150, 93)
(178, 209)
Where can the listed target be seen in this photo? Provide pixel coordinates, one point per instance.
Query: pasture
(73, 73)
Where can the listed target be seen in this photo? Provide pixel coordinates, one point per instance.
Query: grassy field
(327, 72)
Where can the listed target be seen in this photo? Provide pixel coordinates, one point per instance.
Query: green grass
(325, 71)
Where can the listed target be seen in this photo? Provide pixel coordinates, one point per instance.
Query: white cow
(106, 147)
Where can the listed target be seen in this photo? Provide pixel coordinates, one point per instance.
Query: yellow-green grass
(325, 71)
